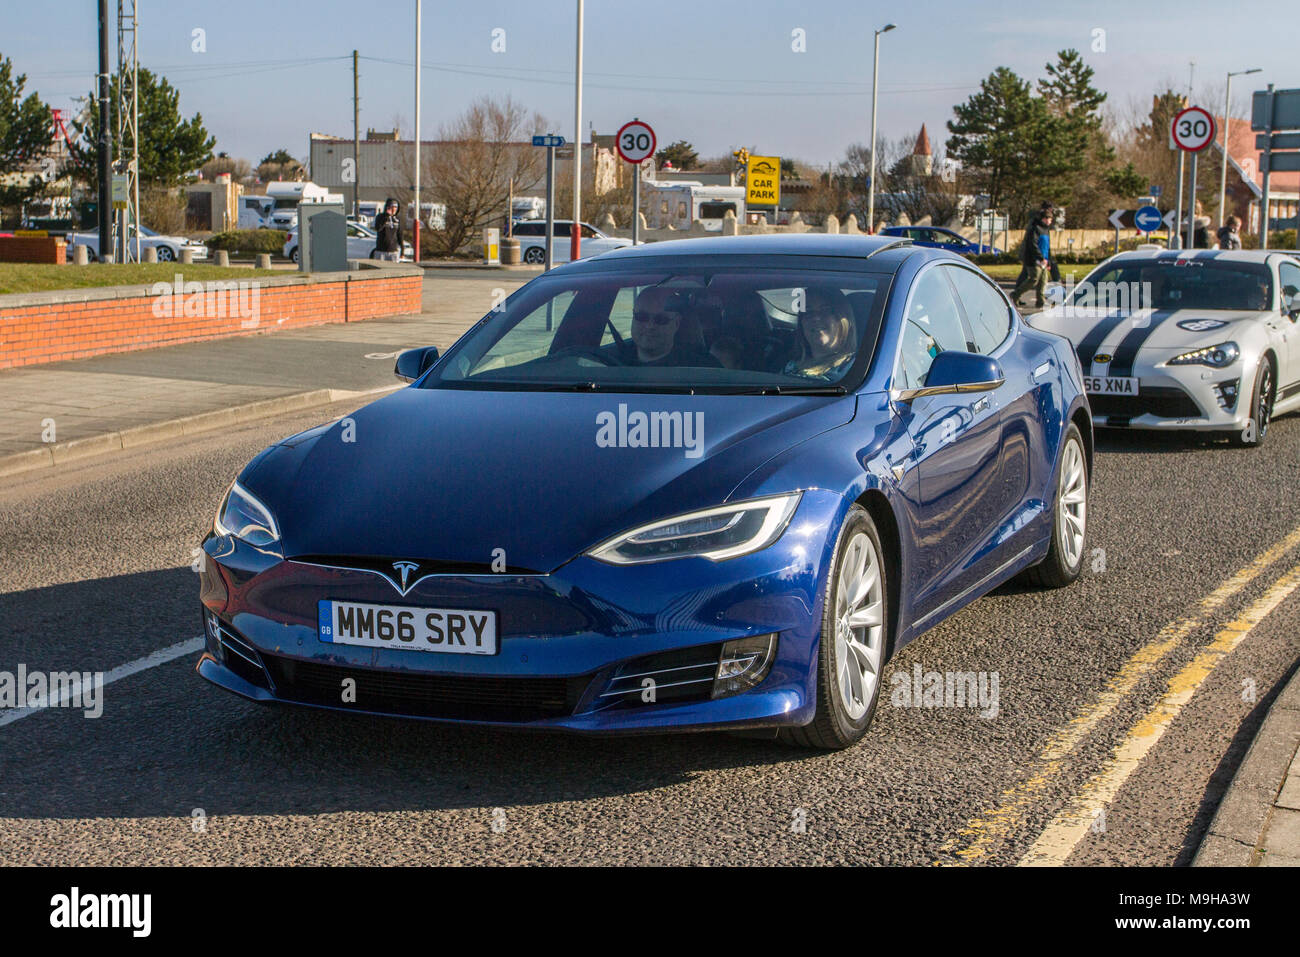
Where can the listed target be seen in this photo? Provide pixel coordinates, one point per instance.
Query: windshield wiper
(571, 387)
(797, 390)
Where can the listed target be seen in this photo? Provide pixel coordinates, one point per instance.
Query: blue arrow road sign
(549, 140)
(1147, 219)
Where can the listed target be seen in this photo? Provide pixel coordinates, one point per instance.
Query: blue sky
(720, 73)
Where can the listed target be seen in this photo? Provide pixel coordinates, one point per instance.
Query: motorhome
(256, 212)
(683, 204)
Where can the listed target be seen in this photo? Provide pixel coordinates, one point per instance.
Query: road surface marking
(151, 660)
(1070, 826)
(981, 834)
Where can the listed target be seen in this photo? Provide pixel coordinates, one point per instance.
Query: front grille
(1165, 403)
(685, 674)
(412, 694)
(241, 657)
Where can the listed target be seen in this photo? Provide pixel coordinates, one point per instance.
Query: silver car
(1194, 339)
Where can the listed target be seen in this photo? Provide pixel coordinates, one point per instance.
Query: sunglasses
(658, 318)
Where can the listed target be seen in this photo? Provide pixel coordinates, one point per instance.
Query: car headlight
(1224, 354)
(242, 515)
(727, 531)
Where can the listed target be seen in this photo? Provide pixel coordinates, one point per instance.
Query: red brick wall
(81, 328)
(32, 249)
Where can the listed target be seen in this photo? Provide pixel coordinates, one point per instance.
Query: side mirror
(414, 363)
(955, 371)
(1293, 305)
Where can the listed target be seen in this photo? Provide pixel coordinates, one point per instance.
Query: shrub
(250, 241)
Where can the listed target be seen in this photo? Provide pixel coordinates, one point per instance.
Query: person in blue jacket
(1036, 254)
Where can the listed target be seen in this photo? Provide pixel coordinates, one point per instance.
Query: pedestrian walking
(388, 230)
(1036, 255)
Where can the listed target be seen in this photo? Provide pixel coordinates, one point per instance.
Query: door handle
(981, 404)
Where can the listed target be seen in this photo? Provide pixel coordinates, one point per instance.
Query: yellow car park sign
(763, 181)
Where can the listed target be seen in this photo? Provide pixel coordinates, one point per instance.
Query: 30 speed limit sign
(636, 142)
(1193, 129)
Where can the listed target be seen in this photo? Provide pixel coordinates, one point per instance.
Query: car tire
(850, 665)
(165, 254)
(535, 255)
(1064, 559)
(293, 255)
(1261, 409)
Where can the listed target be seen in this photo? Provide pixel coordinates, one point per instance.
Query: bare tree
(470, 168)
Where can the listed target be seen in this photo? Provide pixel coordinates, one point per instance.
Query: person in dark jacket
(388, 229)
(1036, 254)
(1229, 237)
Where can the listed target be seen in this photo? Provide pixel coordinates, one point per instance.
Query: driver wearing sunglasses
(656, 319)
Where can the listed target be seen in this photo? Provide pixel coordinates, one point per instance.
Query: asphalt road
(94, 574)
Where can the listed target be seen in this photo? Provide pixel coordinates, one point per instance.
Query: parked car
(579, 519)
(361, 243)
(169, 247)
(936, 237)
(531, 234)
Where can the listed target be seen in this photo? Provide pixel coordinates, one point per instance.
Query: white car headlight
(1224, 354)
(242, 515)
(717, 534)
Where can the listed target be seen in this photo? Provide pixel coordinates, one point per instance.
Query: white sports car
(1193, 339)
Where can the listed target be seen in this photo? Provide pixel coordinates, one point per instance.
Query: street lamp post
(418, 12)
(575, 230)
(871, 175)
(1227, 107)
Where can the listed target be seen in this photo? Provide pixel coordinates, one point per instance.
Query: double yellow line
(982, 834)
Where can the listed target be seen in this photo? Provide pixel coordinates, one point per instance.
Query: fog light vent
(743, 664)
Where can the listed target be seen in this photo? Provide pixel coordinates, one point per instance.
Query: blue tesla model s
(710, 483)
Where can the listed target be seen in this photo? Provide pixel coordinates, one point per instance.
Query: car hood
(1099, 331)
(452, 475)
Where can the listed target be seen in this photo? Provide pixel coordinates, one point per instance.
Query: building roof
(922, 147)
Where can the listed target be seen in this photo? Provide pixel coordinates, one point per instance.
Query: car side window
(529, 229)
(932, 325)
(1289, 274)
(986, 311)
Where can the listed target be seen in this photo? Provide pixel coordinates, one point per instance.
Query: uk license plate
(1110, 385)
(455, 631)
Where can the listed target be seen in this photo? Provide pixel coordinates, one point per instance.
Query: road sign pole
(1266, 163)
(550, 211)
(1177, 237)
(636, 203)
(1191, 207)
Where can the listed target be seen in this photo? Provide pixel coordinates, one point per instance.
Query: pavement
(64, 410)
(95, 575)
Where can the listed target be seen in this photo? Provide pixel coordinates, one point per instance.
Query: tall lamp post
(871, 176)
(575, 229)
(1227, 107)
(418, 12)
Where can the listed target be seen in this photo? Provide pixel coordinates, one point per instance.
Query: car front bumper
(574, 645)
(1192, 398)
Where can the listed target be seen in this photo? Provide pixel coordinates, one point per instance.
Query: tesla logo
(404, 569)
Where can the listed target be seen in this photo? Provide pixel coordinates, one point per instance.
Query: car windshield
(756, 329)
(1197, 282)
